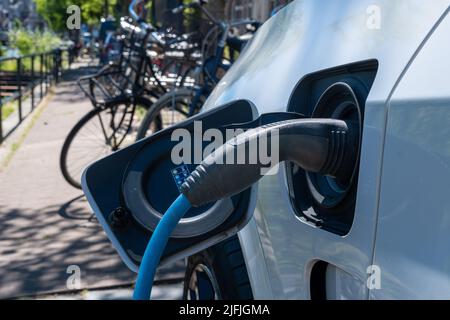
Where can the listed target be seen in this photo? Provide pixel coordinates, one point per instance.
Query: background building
(23, 11)
(233, 10)
(260, 10)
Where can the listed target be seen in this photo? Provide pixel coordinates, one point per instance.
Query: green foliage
(55, 14)
(21, 39)
(8, 108)
(28, 42)
(8, 65)
(46, 41)
(93, 10)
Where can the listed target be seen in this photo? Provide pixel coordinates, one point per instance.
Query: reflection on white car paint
(401, 218)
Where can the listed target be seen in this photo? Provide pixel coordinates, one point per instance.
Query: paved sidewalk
(46, 225)
(160, 292)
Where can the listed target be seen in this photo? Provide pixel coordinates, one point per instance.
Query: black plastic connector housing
(324, 146)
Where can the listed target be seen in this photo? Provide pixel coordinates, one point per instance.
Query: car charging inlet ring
(339, 102)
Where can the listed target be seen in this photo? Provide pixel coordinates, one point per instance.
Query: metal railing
(26, 80)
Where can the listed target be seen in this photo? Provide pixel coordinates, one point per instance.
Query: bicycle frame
(210, 67)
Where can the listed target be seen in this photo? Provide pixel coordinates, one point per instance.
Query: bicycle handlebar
(133, 13)
(146, 26)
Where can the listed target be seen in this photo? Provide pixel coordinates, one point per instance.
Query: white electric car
(384, 233)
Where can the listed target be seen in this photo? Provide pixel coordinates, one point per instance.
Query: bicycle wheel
(99, 133)
(170, 109)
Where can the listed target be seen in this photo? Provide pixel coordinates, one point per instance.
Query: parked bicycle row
(158, 79)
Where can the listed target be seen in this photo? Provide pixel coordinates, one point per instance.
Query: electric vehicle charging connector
(324, 146)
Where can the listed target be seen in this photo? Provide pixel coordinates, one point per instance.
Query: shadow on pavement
(38, 247)
(45, 225)
(73, 211)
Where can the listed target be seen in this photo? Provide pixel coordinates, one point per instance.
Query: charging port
(338, 102)
(340, 93)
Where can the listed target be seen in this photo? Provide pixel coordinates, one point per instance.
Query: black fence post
(1, 107)
(71, 55)
(19, 86)
(32, 82)
(41, 75)
(58, 65)
(50, 69)
(44, 80)
(1, 121)
(51, 58)
(47, 76)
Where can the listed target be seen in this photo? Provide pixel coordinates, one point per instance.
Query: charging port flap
(130, 190)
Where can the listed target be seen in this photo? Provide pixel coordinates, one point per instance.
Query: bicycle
(182, 103)
(118, 92)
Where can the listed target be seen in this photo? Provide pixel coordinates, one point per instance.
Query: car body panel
(305, 37)
(412, 243)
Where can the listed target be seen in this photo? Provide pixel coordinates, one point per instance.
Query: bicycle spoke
(102, 134)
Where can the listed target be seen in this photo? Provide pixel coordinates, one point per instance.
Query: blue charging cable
(156, 246)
